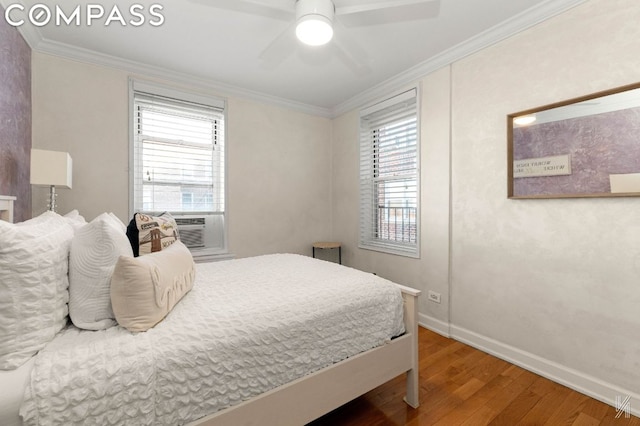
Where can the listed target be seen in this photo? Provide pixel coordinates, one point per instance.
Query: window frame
(369, 229)
(153, 88)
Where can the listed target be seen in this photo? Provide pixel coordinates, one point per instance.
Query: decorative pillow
(146, 288)
(33, 285)
(149, 234)
(75, 220)
(95, 249)
(117, 221)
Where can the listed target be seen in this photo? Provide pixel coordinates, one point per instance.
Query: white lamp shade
(51, 168)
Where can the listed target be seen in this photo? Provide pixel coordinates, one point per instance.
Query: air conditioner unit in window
(201, 231)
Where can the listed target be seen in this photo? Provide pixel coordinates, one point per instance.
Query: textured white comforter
(248, 325)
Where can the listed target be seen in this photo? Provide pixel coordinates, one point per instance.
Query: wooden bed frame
(6, 207)
(316, 394)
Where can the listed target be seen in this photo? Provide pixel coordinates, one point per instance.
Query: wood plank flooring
(460, 385)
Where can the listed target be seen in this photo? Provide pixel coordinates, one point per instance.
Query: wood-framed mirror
(583, 147)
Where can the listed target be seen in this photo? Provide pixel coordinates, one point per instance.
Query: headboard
(6, 207)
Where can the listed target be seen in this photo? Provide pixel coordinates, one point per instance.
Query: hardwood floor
(460, 385)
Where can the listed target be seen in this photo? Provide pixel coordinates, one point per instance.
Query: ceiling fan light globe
(314, 30)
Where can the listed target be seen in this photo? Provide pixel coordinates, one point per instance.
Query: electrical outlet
(434, 297)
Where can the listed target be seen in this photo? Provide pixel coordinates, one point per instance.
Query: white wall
(553, 285)
(558, 279)
(431, 270)
(83, 110)
(279, 179)
(278, 159)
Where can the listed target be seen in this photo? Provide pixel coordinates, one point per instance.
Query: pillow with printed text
(149, 234)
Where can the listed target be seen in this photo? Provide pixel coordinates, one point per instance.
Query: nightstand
(328, 246)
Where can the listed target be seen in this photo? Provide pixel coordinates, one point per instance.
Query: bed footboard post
(410, 297)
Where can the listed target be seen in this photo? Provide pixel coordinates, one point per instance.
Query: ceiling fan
(313, 22)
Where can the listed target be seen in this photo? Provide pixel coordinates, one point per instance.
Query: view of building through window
(395, 162)
(182, 159)
(389, 175)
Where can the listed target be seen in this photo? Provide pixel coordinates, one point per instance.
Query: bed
(6, 207)
(276, 339)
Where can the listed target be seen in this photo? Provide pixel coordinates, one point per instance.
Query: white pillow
(33, 285)
(95, 248)
(117, 221)
(75, 219)
(144, 289)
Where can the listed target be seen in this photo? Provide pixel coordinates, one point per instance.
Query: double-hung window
(389, 176)
(178, 160)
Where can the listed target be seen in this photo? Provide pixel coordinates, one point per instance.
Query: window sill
(404, 252)
(208, 255)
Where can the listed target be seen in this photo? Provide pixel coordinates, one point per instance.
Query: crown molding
(33, 37)
(222, 89)
(504, 30)
(37, 42)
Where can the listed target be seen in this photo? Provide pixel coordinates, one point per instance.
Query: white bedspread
(248, 325)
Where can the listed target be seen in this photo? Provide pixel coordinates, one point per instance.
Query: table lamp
(51, 168)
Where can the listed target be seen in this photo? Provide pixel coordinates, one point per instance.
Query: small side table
(328, 246)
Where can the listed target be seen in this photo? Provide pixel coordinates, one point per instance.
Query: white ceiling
(215, 46)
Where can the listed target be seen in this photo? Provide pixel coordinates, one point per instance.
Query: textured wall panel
(15, 118)
(598, 146)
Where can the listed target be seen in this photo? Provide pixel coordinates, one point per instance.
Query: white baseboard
(576, 380)
(434, 324)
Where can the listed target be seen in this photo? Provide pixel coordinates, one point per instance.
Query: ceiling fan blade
(276, 9)
(386, 11)
(280, 49)
(349, 52)
(358, 68)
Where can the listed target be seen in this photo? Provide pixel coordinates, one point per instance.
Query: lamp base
(52, 198)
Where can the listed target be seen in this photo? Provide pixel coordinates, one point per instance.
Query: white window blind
(178, 155)
(389, 176)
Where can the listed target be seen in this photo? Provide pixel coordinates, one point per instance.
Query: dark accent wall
(15, 118)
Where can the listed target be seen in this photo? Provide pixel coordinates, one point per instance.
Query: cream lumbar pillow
(95, 249)
(144, 289)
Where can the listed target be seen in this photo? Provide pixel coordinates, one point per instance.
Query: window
(389, 176)
(187, 201)
(178, 158)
